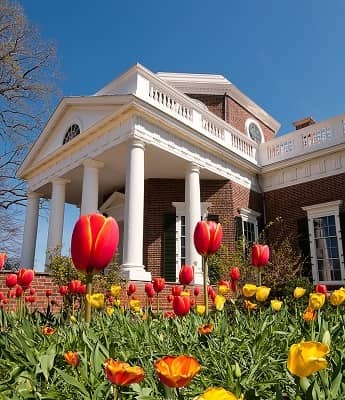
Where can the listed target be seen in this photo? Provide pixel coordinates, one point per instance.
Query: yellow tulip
(305, 358)
(223, 290)
(249, 290)
(117, 302)
(337, 297)
(73, 319)
(262, 293)
(298, 292)
(200, 309)
(96, 300)
(135, 305)
(219, 302)
(115, 290)
(110, 311)
(185, 293)
(316, 300)
(216, 394)
(249, 305)
(276, 305)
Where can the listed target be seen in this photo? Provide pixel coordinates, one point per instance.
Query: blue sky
(288, 56)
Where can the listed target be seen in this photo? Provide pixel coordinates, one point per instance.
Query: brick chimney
(302, 123)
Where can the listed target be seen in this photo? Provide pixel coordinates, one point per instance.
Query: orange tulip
(94, 242)
(260, 255)
(3, 258)
(181, 305)
(186, 275)
(309, 314)
(25, 277)
(205, 329)
(48, 331)
(122, 374)
(71, 358)
(207, 237)
(176, 371)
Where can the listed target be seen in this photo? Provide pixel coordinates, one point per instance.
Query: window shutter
(238, 227)
(304, 244)
(342, 229)
(169, 243)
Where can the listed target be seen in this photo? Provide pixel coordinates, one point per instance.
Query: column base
(133, 272)
(198, 278)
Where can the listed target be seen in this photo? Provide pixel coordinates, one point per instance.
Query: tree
(28, 76)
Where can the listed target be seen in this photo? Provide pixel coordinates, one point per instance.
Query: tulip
(71, 358)
(3, 258)
(200, 309)
(82, 289)
(309, 314)
(158, 284)
(216, 394)
(95, 300)
(181, 305)
(63, 290)
(186, 275)
(316, 300)
(321, 289)
(169, 314)
(149, 288)
(196, 291)
(122, 374)
(49, 292)
(207, 237)
(205, 329)
(305, 358)
(223, 290)
(170, 298)
(1, 296)
(276, 305)
(131, 289)
(19, 291)
(11, 280)
(260, 255)
(337, 297)
(219, 302)
(94, 242)
(298, 292)
(176, 290)
(262, 293)
(233, 286)
(115, 290)
(151, 293)
(25, 277)
(134, 305)
(110, 311)
(5, 301)
(73, 286)
(11, 293)
(185, 293)
(248, 305)
(176, 371)
(235, 274)
(249, 290)
(48, 331)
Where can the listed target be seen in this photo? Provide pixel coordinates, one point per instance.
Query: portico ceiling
(158, 164)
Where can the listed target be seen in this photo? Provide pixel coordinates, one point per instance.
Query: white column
(30, 230)
(56, 217)
(89, 197)
(193, 216)
(132, 267)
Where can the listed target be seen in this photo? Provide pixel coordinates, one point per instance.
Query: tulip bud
(148, 287)
(63, 290)
(260, 255)
(11, 280)
(25, 277)
(3, 258)
(19, 291)
(326, 338)
(1, 296)
(176, 290)
(196, 291)
(73, 286)
(321, 289)
(131, 289)
(181, 305)
(207, 237)
(49, 292)
(158, 284)
(235, 274)
(186, 275)
(170, 298)
(32, 291)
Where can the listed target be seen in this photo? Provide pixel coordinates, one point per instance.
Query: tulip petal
(201, 237)
(81, 243)
(216, 236)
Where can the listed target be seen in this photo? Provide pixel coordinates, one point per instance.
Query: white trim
(250, 216)
(246, 127)
(323, 210)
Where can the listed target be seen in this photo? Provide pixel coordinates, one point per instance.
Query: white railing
(304, 141)
(185, 109)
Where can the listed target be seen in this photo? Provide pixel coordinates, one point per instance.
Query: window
(254, 131)
(247, 227)
(325, 242)
(72, 132)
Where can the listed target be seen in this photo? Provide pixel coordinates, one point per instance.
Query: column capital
(93, 163)
(60, 181)
(193, 167)
(135, 142)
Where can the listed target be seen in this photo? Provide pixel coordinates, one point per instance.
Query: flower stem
(179, 395)
(115, 392)
(259, 276)
(205, 272)
(157, 303)
(87, 304)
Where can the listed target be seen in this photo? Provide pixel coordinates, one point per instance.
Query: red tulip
(321, 289)
(131, 289)
(5, 301)
(170, 298)
(94, 242)
(186, 274)
(233, 285)
(235, 274)
(196, 291)
(207, 237)
(1, 296)
(3, 258)
(73, 286)
(49, 292)
(32, 291)
(149, 288)
(192, 302)
(11, 280)
(19, 291)
(82, 289)
(176, 290)
(169, 314)
(181, 305)
(158, 284)
(25, 277)
(63, 290)
(260, 255)
(30, 299)
(224, 283)
(11, 293)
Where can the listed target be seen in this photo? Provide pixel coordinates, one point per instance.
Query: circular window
(254, 131)
(72, 132)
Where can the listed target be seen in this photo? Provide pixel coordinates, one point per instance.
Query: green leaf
(74, 382)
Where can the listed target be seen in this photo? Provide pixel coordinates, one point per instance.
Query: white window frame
(250, 216)
(318, 211)
(181, 212)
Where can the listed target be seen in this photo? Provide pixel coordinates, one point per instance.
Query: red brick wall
(232, 112)
(288, 202)
(226, 197)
